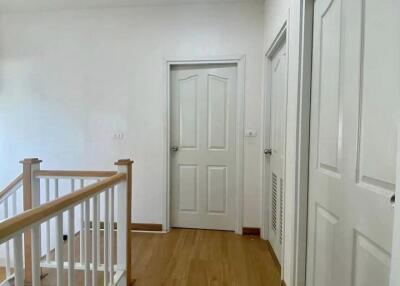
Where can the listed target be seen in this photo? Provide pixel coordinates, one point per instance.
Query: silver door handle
(267, 151)
(174, 148)
(393, 200)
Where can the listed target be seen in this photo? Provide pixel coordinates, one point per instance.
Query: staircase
(52, 224)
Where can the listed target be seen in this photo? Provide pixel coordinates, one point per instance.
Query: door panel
(188, 119)
(188, 180)
(371, 263)
(203, 167)
(325, 230)
(217, 189)
(328, 89)
(354, 111)
(217, 112)
(379, 92)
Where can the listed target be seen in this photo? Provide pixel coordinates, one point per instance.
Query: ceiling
(32, 5)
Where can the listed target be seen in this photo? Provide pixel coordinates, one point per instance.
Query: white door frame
(299, 37)
(240, 62)
(300, 212)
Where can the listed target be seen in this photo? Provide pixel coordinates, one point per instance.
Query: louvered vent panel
(281, 209)
(274, 201)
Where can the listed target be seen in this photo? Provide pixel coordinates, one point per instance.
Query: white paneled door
(203, 147)
(276, 152)
(354, 114)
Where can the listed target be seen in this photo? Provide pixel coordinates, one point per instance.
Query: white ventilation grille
(281, 208)
(274, 201)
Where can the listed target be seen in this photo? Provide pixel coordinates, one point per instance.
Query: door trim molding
(299, 229)
(274, 258)
(280, 38)
(240, 62)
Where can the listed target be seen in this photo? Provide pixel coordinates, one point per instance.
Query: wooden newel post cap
(30, 161)
(124, 162)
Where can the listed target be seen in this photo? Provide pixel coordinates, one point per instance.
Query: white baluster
(94, 241)
(56, 193)
(18, 260)
(14, 203)
(81, 233)
(87, 243)
(59, 255)
(59, 250)
(8, 263)
(35, 233)
(98, 226)
(47, 197)
(14, 211)
(111, 234)
(106, 237)
(7, 244)
(71, 236)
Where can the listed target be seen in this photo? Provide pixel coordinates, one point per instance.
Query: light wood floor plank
(202, 257)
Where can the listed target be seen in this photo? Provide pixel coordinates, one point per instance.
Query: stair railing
(8, 205)
(97, 190)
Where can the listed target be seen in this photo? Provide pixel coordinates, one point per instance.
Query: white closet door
(355, 109)
(395, 265)
(278, 94)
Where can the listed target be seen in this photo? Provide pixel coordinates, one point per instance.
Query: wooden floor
(186, 257)
(201, 257)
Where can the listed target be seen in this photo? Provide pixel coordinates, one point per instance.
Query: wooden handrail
(78, 174)
(19, 223)
(11, 186)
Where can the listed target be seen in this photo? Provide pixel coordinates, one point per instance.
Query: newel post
(31, 197)
(124, 219)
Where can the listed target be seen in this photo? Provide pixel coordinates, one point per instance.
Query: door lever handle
(174, 148)
(393, 200)
(267, 151)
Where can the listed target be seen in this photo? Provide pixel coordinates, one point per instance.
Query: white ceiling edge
(10, 6)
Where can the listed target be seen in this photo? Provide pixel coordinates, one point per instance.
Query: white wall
(70, 80)
(276, 12)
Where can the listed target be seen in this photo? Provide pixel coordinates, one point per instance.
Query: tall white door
(354, 113)
(277, 85)
(203, 146)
